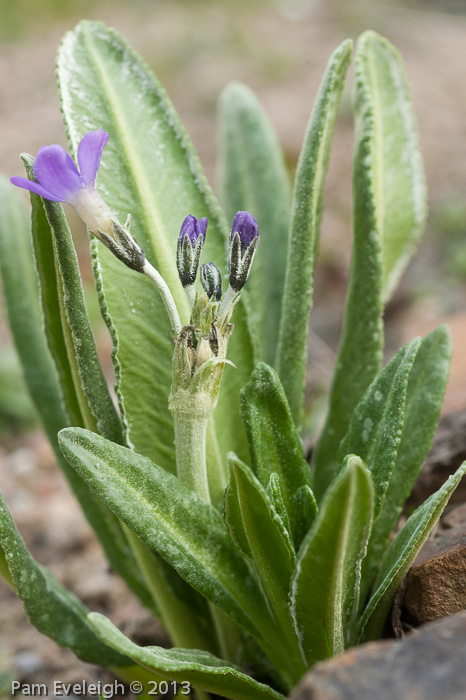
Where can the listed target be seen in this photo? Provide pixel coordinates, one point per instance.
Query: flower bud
(190, 244)
(244, 239)
(211, 279)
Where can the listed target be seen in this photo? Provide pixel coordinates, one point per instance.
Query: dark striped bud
(190, 244)
(211, 279)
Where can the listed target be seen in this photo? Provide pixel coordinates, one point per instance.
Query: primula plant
(257, 563)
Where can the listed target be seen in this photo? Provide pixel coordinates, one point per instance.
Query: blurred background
(280, 49)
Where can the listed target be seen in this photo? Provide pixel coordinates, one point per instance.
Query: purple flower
(245, 225)
(190, 244)
(193, 228)
(244, 239)
(59, 180)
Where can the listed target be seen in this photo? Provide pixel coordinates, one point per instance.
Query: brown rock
(428, 665)
(447, 453)
(436, 583)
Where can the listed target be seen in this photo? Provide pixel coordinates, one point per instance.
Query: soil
(280, 49)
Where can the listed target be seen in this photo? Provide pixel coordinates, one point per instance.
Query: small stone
(27, 663)
(427, 665)
(436, 582)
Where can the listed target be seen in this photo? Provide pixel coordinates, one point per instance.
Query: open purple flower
(59, 180)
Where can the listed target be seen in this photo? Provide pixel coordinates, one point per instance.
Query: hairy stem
(166, 295)
(190, 443)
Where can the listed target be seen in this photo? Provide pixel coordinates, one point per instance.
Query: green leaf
(50, 294)
(275, 495)
(199, 668)
(305, 229)
(274, 442)
(388, 217)
(305, 507)
(377, 423)
(188, 533)
(22, 302)
(50, 607)
(260, 536)
(399, 184)
(325, 586)
(95, 403)
(426, 388)
(20, 287)
(149, 168)
(401, 554)
(253, 177)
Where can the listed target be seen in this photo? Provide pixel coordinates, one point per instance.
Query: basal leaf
(305, 507)
(93, 396)
(21, 292)
(377, 423)
(260, 536)
(45, 264)
(304, 232)
(401, 554)
(188, 532)
(325, 585)
(199, 668)
(274, 492)
(253, 177)
(274, 442)
(388, 217)
(426, 388)
(149, 168)
(51, 608)
(399, 183)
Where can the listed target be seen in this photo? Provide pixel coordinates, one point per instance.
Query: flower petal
(89, 154)
(34, 187)
(55, 170)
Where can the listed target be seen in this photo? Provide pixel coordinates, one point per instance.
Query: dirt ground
(280, 49)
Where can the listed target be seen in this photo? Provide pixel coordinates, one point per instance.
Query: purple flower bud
(244, 239)
(246, 226)
(193, 228)
(190, 244)
(211, 279)
(59, 180)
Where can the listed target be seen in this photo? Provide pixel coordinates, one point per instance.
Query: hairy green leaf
(305, 507)
(188, 533)
(388, 217)
(377, 423)
(51, 287)
(199, 668)
(149, 169)
(50, 607)
(325, 586)
(20, 287)
(95, 403)
(401, 554)
(260, 536)
(274, 442)
(399, 184)
(426, 388)
(304, 233)
(253, 177)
